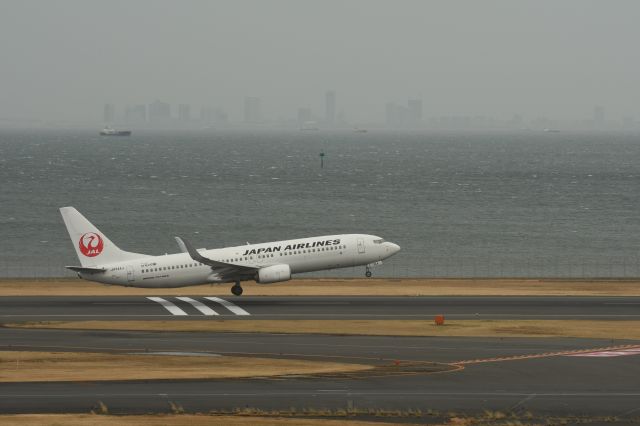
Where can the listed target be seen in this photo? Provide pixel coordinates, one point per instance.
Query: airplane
(102, 261)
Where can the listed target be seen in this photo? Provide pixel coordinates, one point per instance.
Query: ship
(108, 131)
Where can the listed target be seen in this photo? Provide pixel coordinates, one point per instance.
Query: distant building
(210, 115)
(304, 116)
(598, 116)
(330, 107)
(159, 112)
(252, 110)
(109, 113)
(135, 114)
(415, 111)
(221, 116)
(206, 115)
(184, 113)
(395, 115)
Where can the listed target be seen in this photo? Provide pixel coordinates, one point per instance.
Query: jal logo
(91, 244)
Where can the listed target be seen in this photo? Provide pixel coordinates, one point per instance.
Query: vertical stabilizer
(91, 245)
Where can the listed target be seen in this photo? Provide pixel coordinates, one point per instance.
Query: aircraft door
(130, 276)
(360, 246)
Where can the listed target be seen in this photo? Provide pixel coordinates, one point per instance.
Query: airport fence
(611, 267)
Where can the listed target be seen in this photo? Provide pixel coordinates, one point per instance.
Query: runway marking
(606, 395)
(522, 401)
(199, 306)
(609, 353)
(575, 352)
(312, 316)
(230, 306)
(168, 306)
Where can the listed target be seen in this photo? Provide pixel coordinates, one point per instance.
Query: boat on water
(108, 131)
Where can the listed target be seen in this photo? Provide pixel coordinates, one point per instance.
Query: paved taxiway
(140, 307)
(547, 377)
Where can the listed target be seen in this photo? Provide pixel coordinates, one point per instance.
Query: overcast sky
(65, 59)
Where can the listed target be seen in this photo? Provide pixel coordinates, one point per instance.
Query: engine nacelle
(274, 274)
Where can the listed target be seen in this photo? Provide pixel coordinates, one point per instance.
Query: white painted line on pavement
(168, 306)
(230, 306)
(199, 306)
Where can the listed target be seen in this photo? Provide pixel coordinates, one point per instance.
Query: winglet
(206, 261)
(183, 248)
(187, 247)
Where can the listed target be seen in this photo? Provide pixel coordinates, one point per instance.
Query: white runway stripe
(606, 354)
(230, 306)
(198, 305)
(168, 306)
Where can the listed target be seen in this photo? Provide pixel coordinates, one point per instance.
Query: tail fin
(92, 246)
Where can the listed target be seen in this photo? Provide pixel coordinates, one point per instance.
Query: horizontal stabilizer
(86, 270)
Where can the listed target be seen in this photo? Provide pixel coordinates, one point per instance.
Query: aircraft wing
(86, 269)
(223, 268)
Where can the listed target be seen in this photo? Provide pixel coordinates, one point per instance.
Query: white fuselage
(302, 255)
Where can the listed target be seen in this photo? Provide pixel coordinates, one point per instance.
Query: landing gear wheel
(368, 273)
(236, 290)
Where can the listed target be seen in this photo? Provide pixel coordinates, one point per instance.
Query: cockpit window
(379, 241)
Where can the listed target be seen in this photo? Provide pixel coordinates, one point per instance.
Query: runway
(158, 307)
(551, 376)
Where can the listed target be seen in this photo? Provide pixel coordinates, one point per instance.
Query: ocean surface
(461, 204)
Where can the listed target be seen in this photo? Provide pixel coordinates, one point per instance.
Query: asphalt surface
(593, 377)
(122, 308)
(515, 374)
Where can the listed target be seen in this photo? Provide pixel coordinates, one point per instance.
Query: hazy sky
(64, 59)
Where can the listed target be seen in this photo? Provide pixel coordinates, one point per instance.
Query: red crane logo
(91, 244)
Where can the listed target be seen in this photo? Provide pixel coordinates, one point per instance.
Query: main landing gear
(236, 289)
(368, 273)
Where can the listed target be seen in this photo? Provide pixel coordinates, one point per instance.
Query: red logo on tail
(91, 244)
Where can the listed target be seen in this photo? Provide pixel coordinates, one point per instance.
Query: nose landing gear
(236, 289)
(369, 266)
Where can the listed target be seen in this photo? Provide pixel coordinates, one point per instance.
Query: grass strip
(604, 329)
(174, 420)
(340, 287)
(27, 366)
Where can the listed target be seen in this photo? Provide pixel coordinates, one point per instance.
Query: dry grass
(455, 328)
(174, 420)
(339, 287)
(22, 366)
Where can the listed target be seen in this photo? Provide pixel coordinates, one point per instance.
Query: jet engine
(274, 274)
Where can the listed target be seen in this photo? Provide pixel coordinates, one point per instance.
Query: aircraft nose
(394, 248)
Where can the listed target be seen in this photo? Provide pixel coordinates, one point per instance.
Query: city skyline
(395, 116)
(63, 60)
